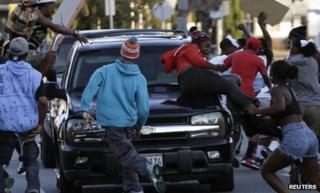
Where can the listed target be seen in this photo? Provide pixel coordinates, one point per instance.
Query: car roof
(121, 32)
(99, 43)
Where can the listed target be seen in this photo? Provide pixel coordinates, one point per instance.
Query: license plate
(155, 158)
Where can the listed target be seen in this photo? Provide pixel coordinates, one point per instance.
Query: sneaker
(250, 163)
(156, 178)
(33, 191)
(21, 169)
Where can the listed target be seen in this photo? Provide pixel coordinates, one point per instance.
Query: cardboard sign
(275, 10)
(67, 12)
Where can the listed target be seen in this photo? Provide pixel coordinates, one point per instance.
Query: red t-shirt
(190, 56)
(246, 64)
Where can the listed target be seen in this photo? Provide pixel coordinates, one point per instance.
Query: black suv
(188, 135)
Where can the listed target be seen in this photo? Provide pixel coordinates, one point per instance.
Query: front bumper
(182, 160)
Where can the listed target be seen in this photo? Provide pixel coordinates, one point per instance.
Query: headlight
(78, 130)
(215, 119)
(208, 119)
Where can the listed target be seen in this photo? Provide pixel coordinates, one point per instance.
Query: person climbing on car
(194, 75)
(299, 143)
(30, 20)
(122, 108)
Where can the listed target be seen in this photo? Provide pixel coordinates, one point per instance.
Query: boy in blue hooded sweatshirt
(22, 112)
(122, 107)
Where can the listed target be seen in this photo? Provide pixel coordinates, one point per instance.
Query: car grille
(168, 121)
(165, 136)
(152, 121)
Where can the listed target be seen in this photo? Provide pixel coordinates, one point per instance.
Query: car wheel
(67, 186)
(47, 151)
(224, 184)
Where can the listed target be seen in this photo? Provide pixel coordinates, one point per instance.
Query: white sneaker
(156, 178)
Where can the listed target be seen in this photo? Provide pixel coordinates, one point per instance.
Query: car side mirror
(53, 91)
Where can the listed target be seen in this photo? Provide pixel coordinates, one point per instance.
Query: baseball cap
(253, 43)
(130, 49)
(44, 1)
(18, 46)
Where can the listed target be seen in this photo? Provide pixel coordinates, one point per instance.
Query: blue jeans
(299, 141)
(132, 164)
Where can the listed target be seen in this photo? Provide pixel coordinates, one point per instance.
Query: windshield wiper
(159, 84)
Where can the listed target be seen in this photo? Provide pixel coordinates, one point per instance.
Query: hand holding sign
(275, 10)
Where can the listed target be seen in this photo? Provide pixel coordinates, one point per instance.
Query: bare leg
(275, 162)
(311, 170)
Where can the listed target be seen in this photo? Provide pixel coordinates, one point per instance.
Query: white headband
(304, 43)
(233, 41)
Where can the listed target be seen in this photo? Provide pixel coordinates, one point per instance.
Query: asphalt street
(246, 181)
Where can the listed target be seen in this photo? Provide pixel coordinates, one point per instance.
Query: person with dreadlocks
(194, 73)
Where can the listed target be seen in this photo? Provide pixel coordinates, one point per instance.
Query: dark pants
(28, 155)
(7, 144)
(132, 164)
(253, 125)
(195, 80)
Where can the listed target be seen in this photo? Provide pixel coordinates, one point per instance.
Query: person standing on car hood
(122, 109)
(22, 113)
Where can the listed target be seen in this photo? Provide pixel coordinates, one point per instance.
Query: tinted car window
(62, 54)
(149, 64)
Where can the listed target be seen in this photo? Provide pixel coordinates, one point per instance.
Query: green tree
(93, 16)
(236, 17)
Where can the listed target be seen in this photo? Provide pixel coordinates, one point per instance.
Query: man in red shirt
(247, 64)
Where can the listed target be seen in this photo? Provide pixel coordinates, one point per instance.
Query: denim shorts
(299, 141)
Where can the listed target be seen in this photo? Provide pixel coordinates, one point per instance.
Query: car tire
(224, 184)
(47, 151)
(66, 186)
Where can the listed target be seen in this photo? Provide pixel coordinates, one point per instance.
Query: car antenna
(61, 19)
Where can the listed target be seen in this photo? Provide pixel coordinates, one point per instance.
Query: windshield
(148, 62)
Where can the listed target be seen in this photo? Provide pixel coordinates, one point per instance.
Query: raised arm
(60, 28)
(263, 26)
(242, 27)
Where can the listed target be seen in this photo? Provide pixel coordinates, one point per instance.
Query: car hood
(166, 103)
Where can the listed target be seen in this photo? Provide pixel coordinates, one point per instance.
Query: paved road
(246, 181)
